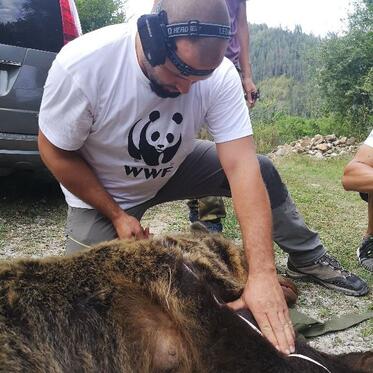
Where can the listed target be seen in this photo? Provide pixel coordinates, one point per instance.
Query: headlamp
(158, 39)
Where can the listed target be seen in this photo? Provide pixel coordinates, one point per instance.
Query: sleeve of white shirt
(228, 116)
(369, 140)
(65, 116)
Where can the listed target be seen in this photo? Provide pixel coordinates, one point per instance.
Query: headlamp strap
(198, 29)
(192, 28)
(183, 67)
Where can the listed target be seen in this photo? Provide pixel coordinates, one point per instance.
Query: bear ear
(154, 115)
(177, 118)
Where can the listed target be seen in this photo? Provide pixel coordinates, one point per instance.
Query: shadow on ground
(29, 186)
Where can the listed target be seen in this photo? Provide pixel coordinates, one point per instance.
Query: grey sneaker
(365, 253)
(328, 271)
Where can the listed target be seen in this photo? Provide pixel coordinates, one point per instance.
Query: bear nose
(160, 146)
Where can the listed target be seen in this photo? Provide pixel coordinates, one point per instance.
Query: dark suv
(31, 34)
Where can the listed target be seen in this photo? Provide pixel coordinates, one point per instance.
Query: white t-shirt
(98, 101)
(369, 140)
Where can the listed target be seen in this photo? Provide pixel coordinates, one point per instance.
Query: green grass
(340, 217)
(285, 129)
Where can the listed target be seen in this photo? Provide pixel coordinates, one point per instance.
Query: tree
(282, 63)
(276, 52)
(346, 69)
(99, 13)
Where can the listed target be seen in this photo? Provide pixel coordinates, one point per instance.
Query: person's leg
(211, 208)
(193, 210)
(307, 256)
(365, 250)
(292, 235)
(370, 214)
(289, 230)
(325, 270)
(191, 181)
(86, 227)
(209, 211)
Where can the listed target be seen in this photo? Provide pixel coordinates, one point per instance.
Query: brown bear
(141, 306)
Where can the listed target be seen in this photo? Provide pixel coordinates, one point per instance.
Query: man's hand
(72, 171)
(249, 88)
(129, 227)
(264, 298)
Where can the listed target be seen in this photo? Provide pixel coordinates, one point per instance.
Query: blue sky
(315, 16)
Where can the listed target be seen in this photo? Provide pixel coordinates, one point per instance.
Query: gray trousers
(191, 180)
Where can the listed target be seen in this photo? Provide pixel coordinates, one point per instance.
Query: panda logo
(156, 145)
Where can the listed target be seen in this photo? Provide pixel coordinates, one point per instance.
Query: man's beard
(161, 92)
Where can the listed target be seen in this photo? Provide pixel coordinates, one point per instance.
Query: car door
(31, 33)
(30, 36)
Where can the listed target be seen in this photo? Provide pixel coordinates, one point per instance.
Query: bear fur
(140, 306)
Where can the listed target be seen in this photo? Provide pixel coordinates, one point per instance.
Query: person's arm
(76, 176)
(244, 58)
(262, 293)
(358, 174)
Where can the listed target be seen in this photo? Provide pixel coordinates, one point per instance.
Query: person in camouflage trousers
(210, 210)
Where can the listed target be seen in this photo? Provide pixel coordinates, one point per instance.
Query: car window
(31, 24)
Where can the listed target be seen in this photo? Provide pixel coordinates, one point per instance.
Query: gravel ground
(32, 213)
(323, 304)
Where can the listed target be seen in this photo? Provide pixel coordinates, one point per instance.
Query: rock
(319, 146)
(315, 140)
(280, 152)
(322, 147)
(343, 140)
(299, 148)
(305, 142)
(351, 141)
(330, 138)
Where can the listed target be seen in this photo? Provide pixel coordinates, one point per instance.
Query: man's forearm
(262, 293)
(254, 215)
(250, 201)
(358, 177)
(244, 40)
(76, 176)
